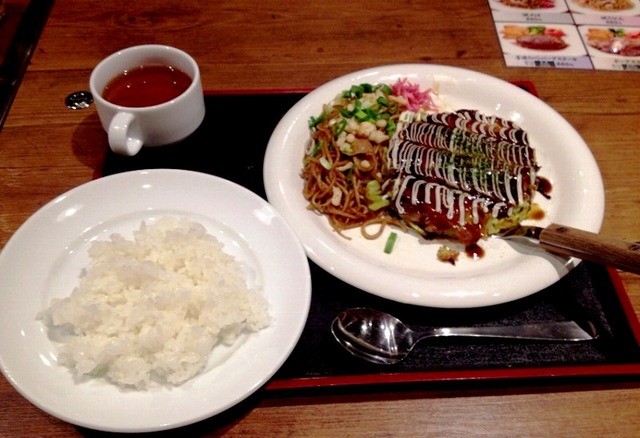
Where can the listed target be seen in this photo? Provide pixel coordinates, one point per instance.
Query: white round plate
(43, 260)
(411, 273)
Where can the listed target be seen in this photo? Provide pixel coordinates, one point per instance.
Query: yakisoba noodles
(346, 176)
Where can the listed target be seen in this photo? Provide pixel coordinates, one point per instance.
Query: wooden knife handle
(585, 245)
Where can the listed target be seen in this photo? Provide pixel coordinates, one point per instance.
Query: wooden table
(46, 149)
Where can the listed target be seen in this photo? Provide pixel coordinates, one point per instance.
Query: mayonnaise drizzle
(463, 166)
(443, 199)
(460, 141)
(467, 174)
(476, 122)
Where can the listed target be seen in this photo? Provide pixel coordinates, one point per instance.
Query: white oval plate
(411, 273)
(43, 260)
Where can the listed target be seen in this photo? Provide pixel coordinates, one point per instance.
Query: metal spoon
(381, 338)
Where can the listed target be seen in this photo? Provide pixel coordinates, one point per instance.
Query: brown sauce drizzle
(474, 251)
(544, 186)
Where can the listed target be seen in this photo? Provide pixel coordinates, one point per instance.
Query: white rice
(151, 310)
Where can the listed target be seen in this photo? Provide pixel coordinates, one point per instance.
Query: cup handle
(125, 137)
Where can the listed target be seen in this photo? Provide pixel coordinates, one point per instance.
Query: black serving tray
(231, 143)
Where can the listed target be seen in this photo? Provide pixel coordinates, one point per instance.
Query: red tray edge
(607, 370)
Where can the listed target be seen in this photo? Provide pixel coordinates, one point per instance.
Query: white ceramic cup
(131, 128)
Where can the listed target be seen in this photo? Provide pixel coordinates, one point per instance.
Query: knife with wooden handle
(585, 245)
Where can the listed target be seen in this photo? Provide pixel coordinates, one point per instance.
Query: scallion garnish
(391, 127)
(386, 89)
(314, 121)
(316, 149)
(355, 91)
(325, 163)
(361, 115)
(339, 127)
(391, 241)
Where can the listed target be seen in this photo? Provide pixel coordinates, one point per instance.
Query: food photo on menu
(529, 4)
(617, 42)
(617, 7)
(540, 39)
(535, 37)
(542, 6)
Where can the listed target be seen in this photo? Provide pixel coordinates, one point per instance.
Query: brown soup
(146, 85)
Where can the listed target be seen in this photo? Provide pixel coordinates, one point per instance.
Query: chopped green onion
(382, 101)
(374, 194)
(361, 115)
(391, 127)
(348, 111)
(386, 89)
(315, 121)
(325, 163)
(354, 91)
(391, 241)
(338, 128)
(316, 149)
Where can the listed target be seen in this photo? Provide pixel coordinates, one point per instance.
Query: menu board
(572, 34)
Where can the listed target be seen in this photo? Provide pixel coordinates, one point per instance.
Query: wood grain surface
(46, 149)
